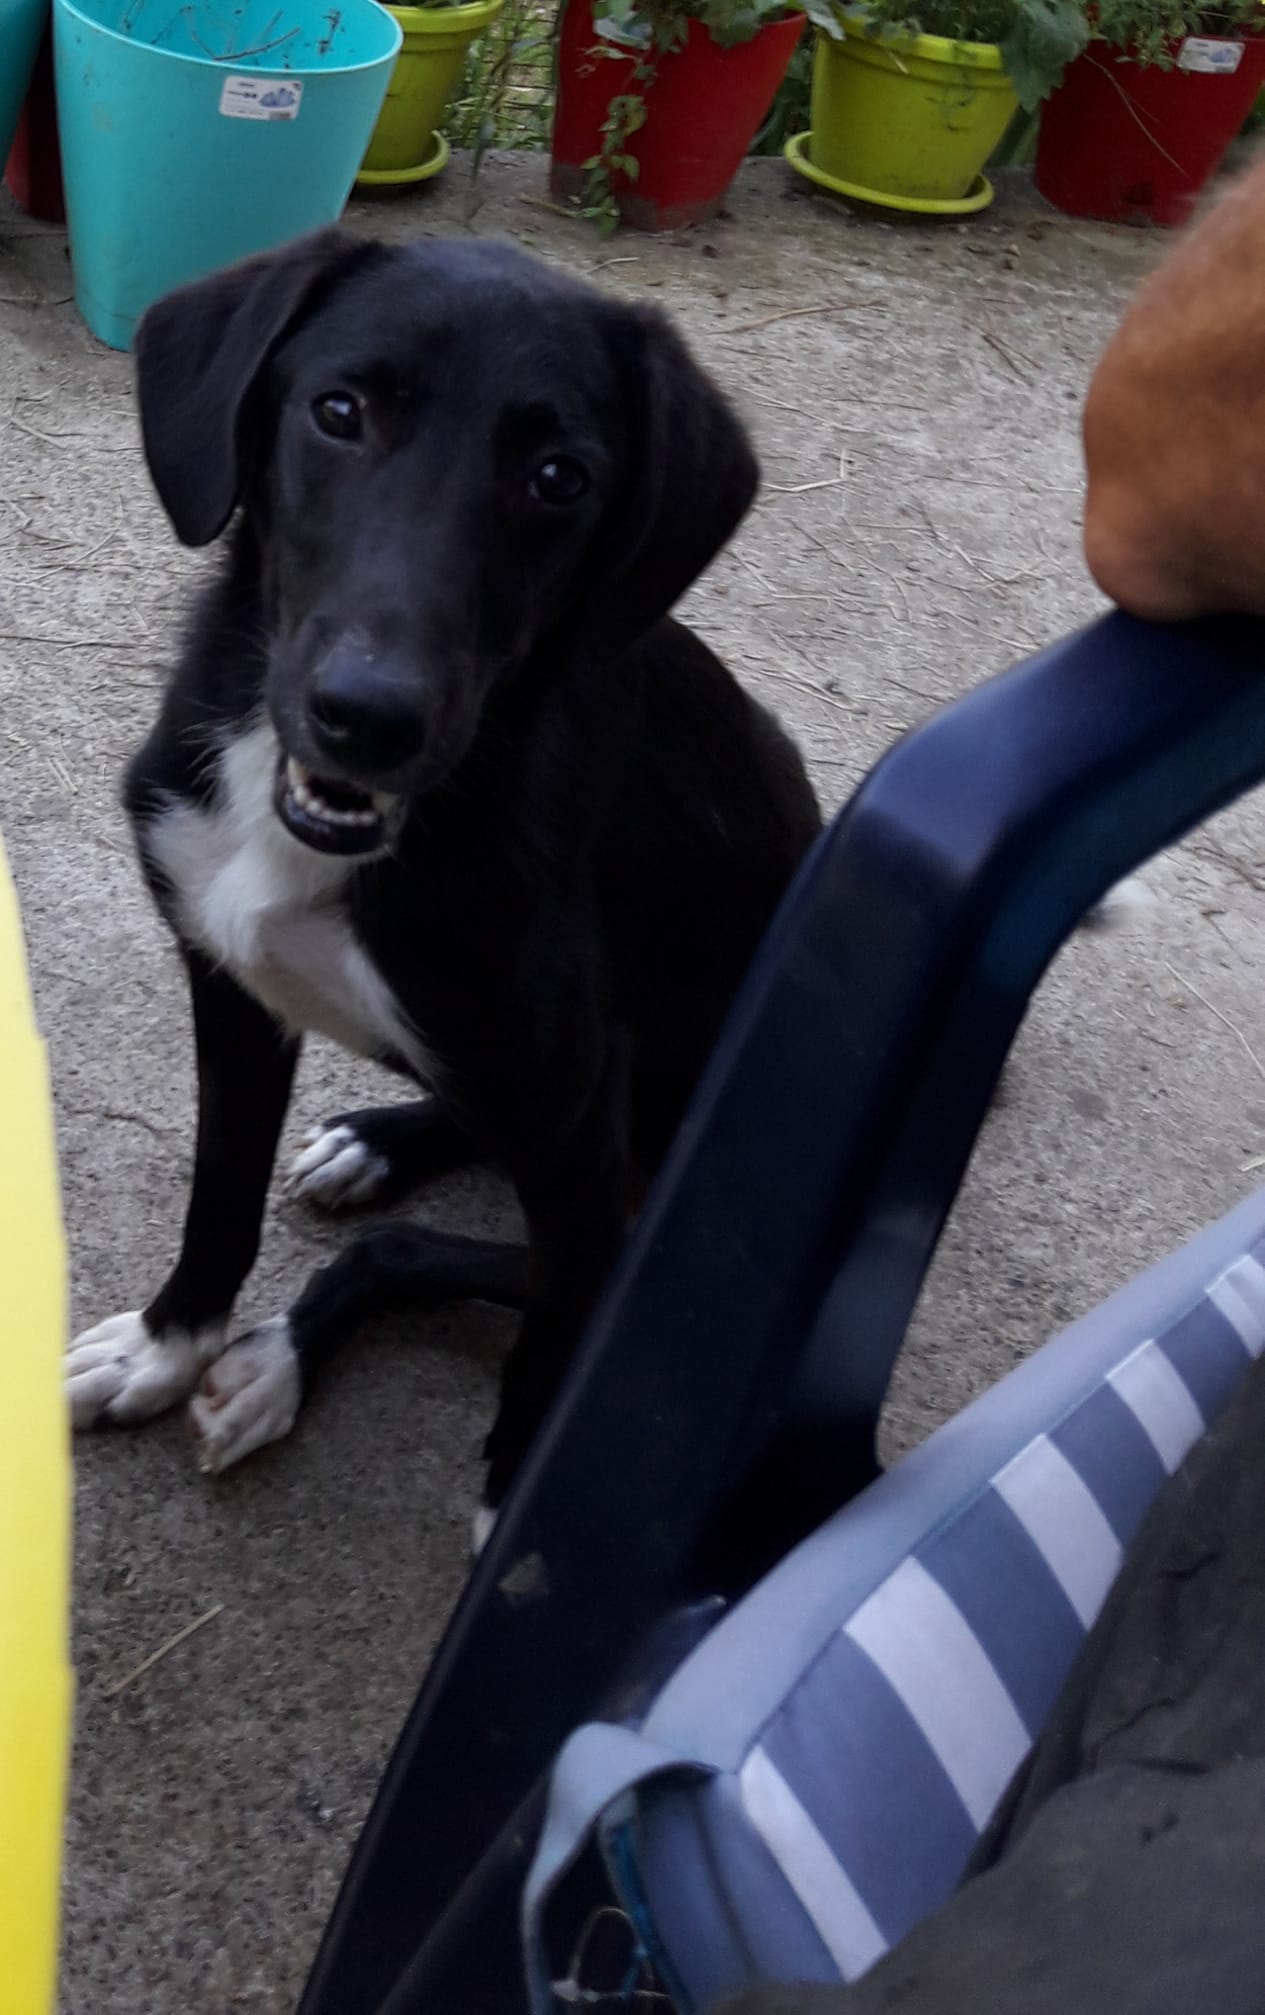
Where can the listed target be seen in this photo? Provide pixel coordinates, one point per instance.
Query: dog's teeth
(334, 817)
(302, 789)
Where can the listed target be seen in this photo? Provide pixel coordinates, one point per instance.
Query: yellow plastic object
(35, 1499)
(435, 43)
(798, 151)
(906, 120)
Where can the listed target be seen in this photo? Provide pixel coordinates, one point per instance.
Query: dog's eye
(561, 480)
(338, 415)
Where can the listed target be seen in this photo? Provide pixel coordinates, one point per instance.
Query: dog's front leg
(136, 1365)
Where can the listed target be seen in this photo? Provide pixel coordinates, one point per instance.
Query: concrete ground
(915, 394)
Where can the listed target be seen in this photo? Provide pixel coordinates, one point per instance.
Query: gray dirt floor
(917, 414)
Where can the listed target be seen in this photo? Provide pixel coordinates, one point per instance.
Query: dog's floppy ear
(695, 476)
(199, 354)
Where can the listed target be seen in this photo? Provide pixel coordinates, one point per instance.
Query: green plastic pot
(405, 146)
(905, 121)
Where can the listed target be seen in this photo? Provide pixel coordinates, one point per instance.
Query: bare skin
(1174, 427)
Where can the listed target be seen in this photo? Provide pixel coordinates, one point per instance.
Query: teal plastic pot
(21, 25)
(194, 132)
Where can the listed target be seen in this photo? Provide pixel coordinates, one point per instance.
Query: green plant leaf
(670, 27)
(1043, 39)
(1147, 29)
(824, 15)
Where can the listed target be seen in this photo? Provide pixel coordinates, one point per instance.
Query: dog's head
(453, 460)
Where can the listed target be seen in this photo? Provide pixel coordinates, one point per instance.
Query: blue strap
(600, 1764)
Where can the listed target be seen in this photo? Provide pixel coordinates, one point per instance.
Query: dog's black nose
(364, 714)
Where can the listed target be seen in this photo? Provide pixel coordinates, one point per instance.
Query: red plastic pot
(704, 107)
(34, 169)
(1134, 145)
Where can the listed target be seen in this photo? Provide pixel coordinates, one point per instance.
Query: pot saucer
(977, 197)
(388, 178)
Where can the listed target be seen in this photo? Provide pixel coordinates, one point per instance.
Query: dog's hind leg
(251, 1395)
(379, 1154)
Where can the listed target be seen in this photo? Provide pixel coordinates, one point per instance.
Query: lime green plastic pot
(405, 146)
(907, 121)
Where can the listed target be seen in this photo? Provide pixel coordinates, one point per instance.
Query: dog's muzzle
(330, 815)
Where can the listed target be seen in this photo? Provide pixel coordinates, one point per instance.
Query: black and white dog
(437, 777)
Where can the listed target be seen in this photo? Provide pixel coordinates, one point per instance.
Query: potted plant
(406, 146)
(21, 26)
(659, 100)
(1143, 116)
(193, 138)
(909, 104)
(33, 172)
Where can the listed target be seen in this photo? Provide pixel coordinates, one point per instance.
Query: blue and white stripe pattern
(941, 1680)
(812, 1780)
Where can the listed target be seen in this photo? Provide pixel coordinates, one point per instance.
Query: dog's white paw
(249, 1397)
(336, 1168)
(1126, 906)
(121, 1371)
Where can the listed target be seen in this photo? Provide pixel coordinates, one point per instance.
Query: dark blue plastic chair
(725, 1402)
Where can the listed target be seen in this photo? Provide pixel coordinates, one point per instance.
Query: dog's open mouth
(330, 815)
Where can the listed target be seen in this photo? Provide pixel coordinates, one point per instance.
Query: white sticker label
(1209, 58)
(262, 97)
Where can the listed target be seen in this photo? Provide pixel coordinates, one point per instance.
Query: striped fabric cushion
(872, 1782)
(812, 1781)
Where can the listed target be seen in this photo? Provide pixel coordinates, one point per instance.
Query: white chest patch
(260, 903)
